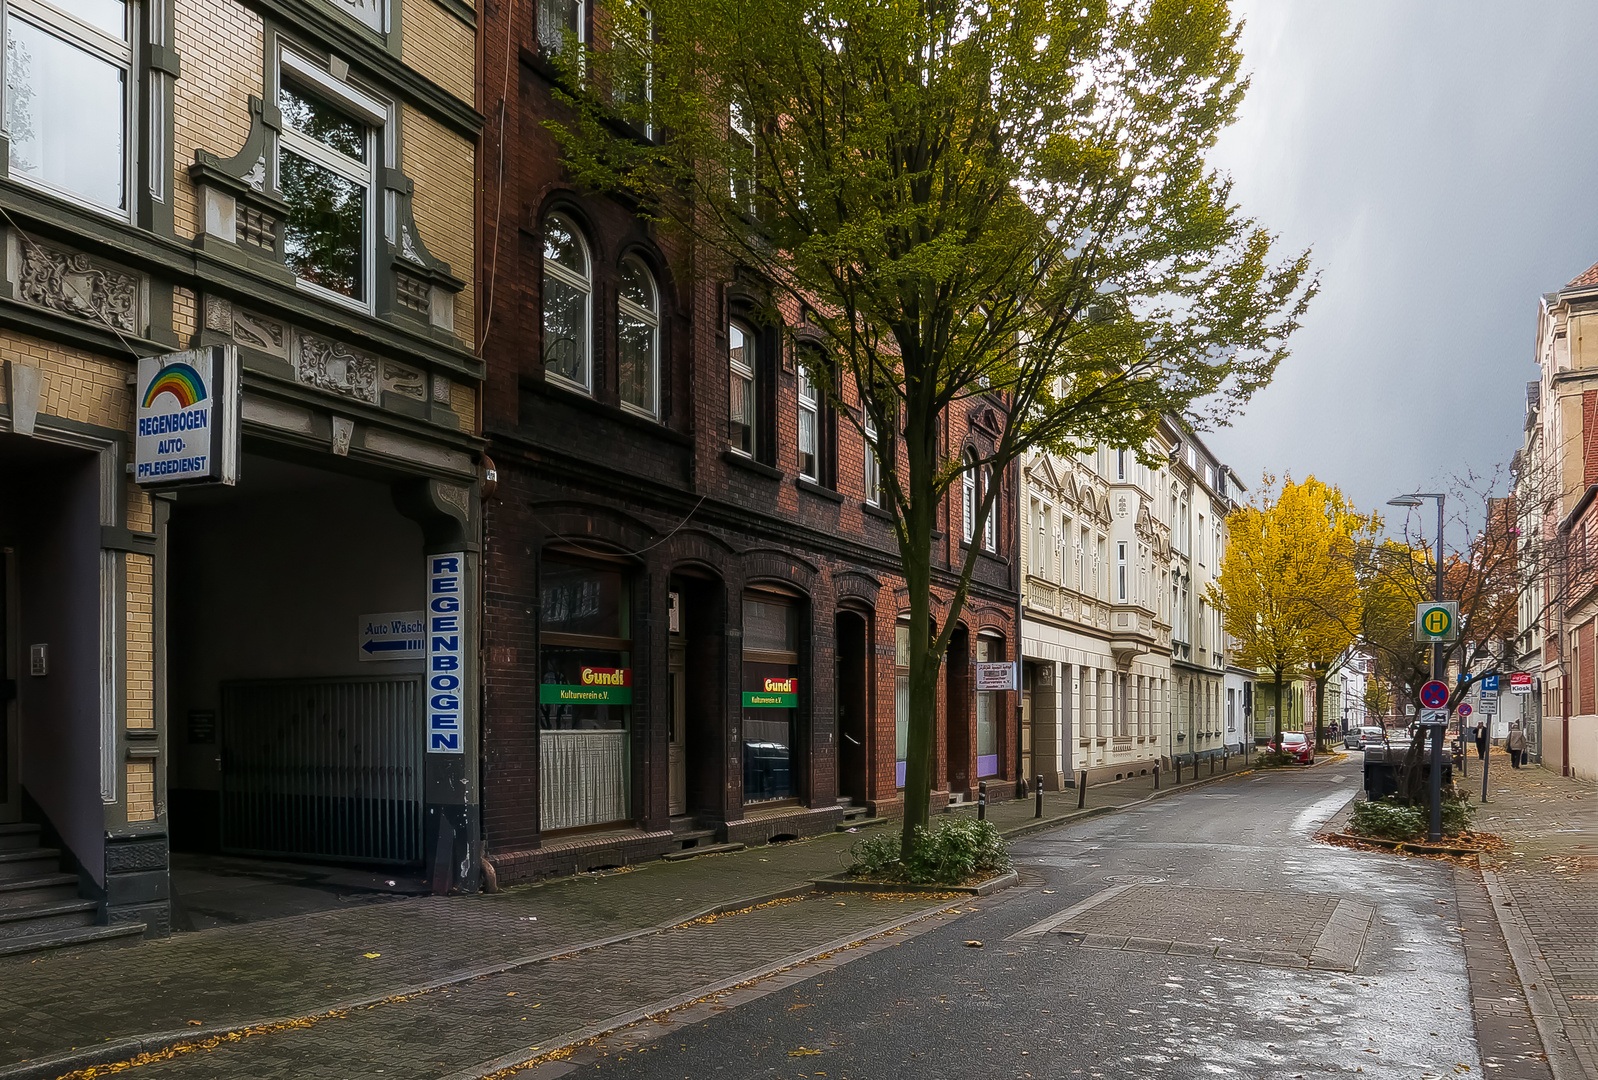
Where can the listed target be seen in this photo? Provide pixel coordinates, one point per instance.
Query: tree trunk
(1278, 684)
(918, 514)
(1320, 710)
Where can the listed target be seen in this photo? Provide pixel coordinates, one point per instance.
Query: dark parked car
(1296, 744)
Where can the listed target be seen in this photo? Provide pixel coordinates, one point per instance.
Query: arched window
(968, 501)
(638, 339)
(568, 296)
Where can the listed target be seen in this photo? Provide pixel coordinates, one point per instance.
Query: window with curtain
(987, 735)
(558, 20)
(638, 339)
(69, 86)
(741, 389)
(809, 425)
(568, 299)
(770, 654)
(1120, 571)
(585, 695)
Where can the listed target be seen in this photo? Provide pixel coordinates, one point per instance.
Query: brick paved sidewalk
(110, 1004)
(1548, 873)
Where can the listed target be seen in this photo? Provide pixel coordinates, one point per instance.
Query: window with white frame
(741, 389)
(634, 83)
(1040, 539)
(871, 466)
(328, 157)
(1201, 539)
(1120, 571)
(968, 498)
(1120, 464)
(1101, 576)
(990, 528)
(568, 303)
(1083, 546)
(741, 171)
(638, 339)
(559, 20)
(809, 425)
(69, 97)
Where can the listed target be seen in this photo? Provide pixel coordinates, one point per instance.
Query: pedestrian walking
(1516, 744)
(1481, 741)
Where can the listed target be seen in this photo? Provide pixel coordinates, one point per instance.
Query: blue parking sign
(1489, 682)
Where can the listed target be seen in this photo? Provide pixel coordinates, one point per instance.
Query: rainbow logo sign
(181, 381)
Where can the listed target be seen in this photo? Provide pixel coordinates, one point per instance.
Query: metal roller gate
(323, 769)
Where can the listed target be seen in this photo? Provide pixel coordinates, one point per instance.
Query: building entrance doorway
(958, 712)
(10, 786)
(678, 762)
(852, 660)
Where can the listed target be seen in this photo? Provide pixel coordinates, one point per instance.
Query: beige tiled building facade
(239, 667)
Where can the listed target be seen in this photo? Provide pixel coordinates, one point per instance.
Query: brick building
(691, 604)
(287, 190)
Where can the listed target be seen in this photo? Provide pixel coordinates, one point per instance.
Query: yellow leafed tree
(1288, 592)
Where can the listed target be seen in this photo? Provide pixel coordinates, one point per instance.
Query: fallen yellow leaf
(373, 955)
(802, 1052)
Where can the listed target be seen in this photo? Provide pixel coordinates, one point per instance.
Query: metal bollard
(1082, 790)
(1039, 811)
(1156, 776)
(1224, 759)
(982, 801)
(1178, 763)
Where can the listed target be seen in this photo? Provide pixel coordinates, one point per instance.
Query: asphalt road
(1231, 864)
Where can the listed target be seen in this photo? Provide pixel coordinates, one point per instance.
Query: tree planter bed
(845, 883)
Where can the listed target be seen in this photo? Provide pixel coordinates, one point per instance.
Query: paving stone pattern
(1281, 929)
(1550, 869)
(1505, 1033)
(443, 1033)
(307, 964)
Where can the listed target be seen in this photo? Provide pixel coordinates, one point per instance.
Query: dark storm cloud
(1440, 159)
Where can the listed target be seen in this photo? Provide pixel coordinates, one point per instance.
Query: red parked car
(1297, 744)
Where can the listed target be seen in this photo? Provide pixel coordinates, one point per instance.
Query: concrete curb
(1535, 979)
(621, 1020)
(843, 884)
(1041, 824)
(122, 1049)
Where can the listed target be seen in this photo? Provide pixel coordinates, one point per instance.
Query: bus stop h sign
(1437, 620)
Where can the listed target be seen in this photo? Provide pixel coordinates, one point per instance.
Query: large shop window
(901, 702)
(770, 697)
(585, 696)
(68, 73)
(987, 734)
(327, 158)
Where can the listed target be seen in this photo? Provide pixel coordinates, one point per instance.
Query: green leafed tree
(1005, 199)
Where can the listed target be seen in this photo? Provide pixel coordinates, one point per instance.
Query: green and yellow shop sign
(778, 694)
(600, 686)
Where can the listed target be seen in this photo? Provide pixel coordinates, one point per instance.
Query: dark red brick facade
(671, 505)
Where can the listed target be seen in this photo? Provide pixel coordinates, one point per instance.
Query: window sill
(732, 457)
(873, 510)
(817, 490)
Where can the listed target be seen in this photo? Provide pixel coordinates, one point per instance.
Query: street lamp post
(1434, 832)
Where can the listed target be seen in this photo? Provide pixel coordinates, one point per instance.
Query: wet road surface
(1201, 937)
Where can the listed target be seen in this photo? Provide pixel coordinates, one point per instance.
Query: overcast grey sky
(1441, 158)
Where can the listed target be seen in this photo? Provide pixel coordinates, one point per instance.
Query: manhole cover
(1133, 879)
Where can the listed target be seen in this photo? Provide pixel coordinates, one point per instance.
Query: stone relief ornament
(256, 177)
(219, 315)
(333, 366)
(405, 381)
(408, 246)
(258, 332)
(73, 284)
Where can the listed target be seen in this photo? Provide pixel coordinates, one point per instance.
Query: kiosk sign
(186, 418)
